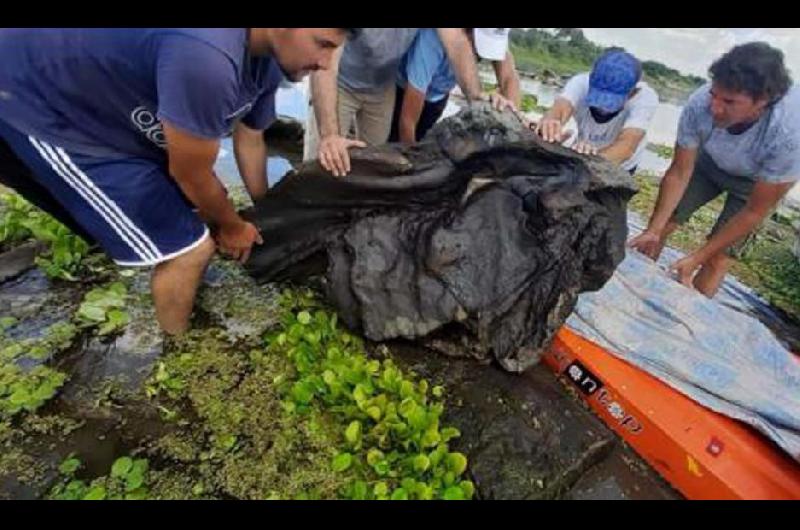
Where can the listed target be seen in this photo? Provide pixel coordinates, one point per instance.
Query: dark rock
(482, 224)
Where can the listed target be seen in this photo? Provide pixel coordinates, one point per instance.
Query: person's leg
(135, 211)
(431, 113)
(374, 120)
(310, 135)
(710, 276)
(349, 105)
(712, 273)
(700, 191)
(394, 130)
(174, 286)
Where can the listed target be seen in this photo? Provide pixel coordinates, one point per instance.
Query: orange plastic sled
(704, 455)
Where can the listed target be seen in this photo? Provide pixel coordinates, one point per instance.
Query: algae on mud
(278, 422)
(224, 428)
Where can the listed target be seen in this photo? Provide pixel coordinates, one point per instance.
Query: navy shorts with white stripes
(131, 206)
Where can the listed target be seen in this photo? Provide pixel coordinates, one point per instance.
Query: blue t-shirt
(103, 92)
(769, 150)
(426, 66)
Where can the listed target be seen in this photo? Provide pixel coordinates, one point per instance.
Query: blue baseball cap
(613, 77)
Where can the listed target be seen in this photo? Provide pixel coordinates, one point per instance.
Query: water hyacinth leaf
(19, 397)
(418, 419)
(374, 456)
(454, 493)
(381, 490)
(429, 438)
(134, 479)
(96, 493)
(75, 490)
(227, 441)
(408, 484)
(342, 462)
(353, 432)
(138, 494)
(457, 462)
(329, 377)
(407, 407)
(360, 490)
(421, 463)
(382, 468)
(304, 318)
(374, 412)
(302, 393)
(448, 433)
(467, 487)
(406, 389)
(69, 466)
(118, 317)
(93, 313)
(360, 393)
(399, 494)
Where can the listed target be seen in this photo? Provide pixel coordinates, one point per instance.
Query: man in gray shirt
(361, 91)
(739, 134)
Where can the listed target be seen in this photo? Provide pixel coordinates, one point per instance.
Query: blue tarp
(710, 350)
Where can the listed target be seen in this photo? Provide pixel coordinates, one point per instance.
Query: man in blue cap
(612, 106)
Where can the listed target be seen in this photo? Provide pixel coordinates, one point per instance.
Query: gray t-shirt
(768, 151)
(370, 61)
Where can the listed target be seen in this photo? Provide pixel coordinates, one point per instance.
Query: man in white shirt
(612, 106)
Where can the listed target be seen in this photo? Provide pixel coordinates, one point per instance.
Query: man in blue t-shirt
(116, 131)
(738, 135)
(425, 78)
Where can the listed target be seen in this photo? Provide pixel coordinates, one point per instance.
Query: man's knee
(203, 252)
(719, 262)
(198, 257)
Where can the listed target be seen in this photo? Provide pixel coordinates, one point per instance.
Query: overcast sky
(692, 50)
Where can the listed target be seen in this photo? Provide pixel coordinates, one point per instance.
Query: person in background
(425, 79)
(740, 135)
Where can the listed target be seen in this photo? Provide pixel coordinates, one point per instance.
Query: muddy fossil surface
(481, 229)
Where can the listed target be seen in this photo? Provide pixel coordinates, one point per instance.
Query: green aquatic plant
(65, 251)
(104, 307)
(127, 480)
(394, 446)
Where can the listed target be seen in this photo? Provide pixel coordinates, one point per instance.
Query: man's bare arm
(251, 158)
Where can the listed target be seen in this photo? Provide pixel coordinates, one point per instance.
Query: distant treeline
(567, 51)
